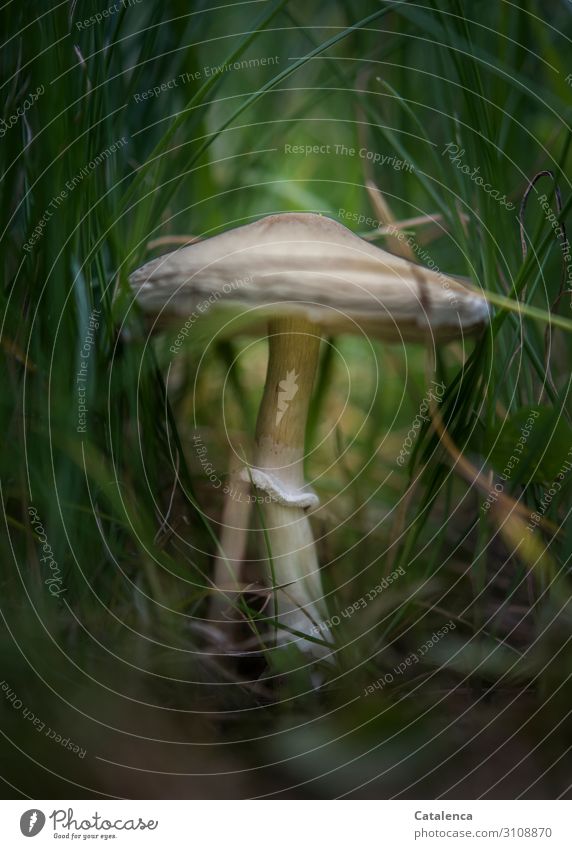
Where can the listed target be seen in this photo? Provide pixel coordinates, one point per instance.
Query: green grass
(118, 660)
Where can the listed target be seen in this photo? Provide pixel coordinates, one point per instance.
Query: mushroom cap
(310, 265)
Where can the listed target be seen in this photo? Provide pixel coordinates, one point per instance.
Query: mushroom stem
(278, 475)
(229, 576)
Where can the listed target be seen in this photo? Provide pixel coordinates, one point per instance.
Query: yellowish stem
(294, 345)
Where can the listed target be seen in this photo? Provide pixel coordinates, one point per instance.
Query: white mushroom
(299, 275)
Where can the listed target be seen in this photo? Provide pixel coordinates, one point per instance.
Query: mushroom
(301, 275)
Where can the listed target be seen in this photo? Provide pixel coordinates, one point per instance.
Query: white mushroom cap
(307, 264)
